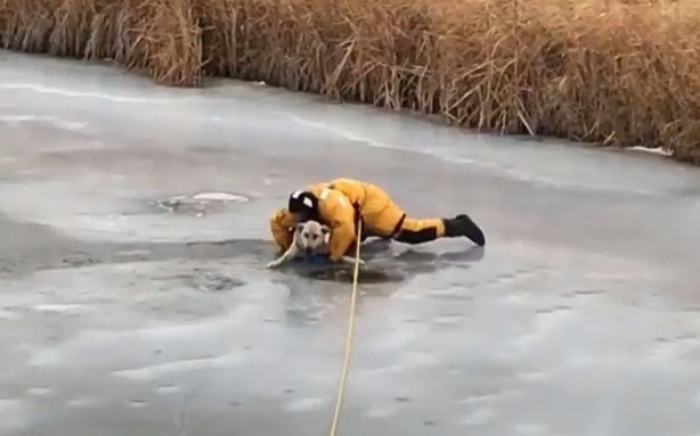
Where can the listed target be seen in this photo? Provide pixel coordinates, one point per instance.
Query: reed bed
(614, 72)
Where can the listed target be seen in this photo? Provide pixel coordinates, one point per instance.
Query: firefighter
(343, 201)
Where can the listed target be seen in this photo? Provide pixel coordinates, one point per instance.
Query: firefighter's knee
(382, 217)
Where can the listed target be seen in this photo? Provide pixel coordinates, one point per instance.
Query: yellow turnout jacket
(338, 202)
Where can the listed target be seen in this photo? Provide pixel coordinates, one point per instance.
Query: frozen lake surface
(133, 239)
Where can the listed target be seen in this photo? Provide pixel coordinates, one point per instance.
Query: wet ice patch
(212, 282)
(345, 275)
(90, 345)
(172, 203)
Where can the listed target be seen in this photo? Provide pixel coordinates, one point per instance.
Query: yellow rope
(348, 341)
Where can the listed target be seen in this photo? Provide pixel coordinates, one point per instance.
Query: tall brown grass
(618, 72)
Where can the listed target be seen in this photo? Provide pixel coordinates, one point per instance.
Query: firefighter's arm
(343, 225)
(281, 223)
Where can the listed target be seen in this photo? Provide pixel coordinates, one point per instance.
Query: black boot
(462, 225)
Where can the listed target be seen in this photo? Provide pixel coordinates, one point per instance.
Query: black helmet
(303, 203)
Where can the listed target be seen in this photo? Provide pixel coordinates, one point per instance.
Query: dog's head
(312, 236)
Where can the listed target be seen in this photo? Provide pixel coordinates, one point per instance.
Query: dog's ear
(298, 227)
(325, 229)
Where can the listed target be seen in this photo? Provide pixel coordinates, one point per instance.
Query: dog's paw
(271, 265)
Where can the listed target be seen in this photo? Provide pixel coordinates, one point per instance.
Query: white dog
(310, 237)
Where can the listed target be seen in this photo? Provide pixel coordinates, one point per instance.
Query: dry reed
(618, 72)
